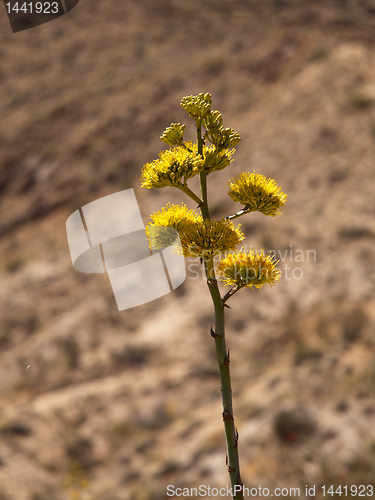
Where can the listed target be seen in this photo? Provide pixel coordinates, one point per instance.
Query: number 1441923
(354, 491)
(31, 8)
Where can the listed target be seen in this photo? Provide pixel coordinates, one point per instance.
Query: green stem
(203, 174)
(238, 214)
(230, 294)
(231, 435)
(190, 193)
(184, 146)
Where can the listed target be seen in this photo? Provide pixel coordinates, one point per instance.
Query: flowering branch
(204, 237)
(230, 294)
(238, 214)
(190, 193)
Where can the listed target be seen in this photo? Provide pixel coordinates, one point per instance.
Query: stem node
(226, 360)
(213, 334)
(227, 415)
(236, 441)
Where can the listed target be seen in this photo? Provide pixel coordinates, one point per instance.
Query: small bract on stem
(204, 237)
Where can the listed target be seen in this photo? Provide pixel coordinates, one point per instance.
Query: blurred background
(102, 405)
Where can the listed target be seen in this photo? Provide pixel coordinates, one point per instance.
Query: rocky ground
(102, 405)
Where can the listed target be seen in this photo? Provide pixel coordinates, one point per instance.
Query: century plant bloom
(215, 160)
(197, 106)
(247, 269)
(257, 193)
(211, 237)
(178, 217)
(208, 238)
(174, 134)
(198, 237)
(173, 167)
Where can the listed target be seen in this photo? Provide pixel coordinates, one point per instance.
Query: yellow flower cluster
(209, 238)
(177, 217)
(247, 269)
(257, 193)
(173, 166)
(197, 106)
(215, 160)
(174, 134)
(226, 138)
(222, 138)
(198, 237)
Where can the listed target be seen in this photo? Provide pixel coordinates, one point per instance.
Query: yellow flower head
(209, 238)
(174, 134)
(248, 269)
(257, 193)
(173, 166)
(215, 160)
(176, 217)
(197, 106)
(222, 138)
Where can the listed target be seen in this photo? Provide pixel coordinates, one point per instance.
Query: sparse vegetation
(14, 429)
(360, 101)
(71, 351)
(353, 324)
(294, 425)
(79, 450)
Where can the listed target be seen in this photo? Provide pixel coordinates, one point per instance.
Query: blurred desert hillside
(101, 405)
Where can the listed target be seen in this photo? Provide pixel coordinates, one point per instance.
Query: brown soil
(102, 405)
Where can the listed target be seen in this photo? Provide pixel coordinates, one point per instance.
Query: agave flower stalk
(231, 434)
(204, 237)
